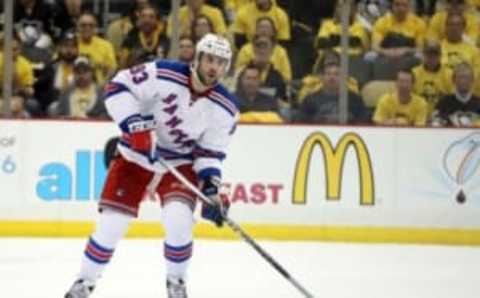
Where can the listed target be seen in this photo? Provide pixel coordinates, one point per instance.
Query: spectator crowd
(413, 63)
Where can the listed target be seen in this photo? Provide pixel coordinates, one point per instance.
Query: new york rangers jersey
(190, 128)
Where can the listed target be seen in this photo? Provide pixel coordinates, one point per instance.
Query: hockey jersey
(190, 128)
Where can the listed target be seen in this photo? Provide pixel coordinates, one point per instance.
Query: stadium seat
(373, 90)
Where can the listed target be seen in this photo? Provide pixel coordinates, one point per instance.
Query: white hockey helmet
(215, 45)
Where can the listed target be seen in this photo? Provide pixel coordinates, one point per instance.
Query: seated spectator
(84, 98)
(281, 62)
(37, 49)
(329, 35)
(62, 68)
(194, 8)
(250, 96)
(437, 26)
(313, 82)
(399, 32)
(323, 106)
(396, 38)
(455, 50)
(255, 106)
(118, 29)
(402, 107)
(97, 49)
(433, 80)
(66, 14)
(34, 10)
(186, 49)
(272, 81)
(245, 21)
(201, 25)
(23, 78)
(18, 103)
(148, 35)
(462, 107)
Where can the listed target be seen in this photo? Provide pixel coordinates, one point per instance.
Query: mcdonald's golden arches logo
(333, 159)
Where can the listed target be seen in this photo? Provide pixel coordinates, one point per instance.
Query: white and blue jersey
(190, 128)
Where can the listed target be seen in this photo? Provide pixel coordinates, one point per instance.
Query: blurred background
(374, 62)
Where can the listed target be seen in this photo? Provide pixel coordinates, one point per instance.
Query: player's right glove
(214, 212)
(142, 136)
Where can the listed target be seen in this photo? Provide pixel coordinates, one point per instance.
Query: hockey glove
(214, 212)
(142, 136)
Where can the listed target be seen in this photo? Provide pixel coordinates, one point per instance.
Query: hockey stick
(237, 229)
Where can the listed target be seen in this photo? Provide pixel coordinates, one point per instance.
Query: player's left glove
(214, 212)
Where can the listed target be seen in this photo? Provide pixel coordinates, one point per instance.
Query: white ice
(41, 268)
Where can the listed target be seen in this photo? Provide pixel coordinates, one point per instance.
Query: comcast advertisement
(275, 175)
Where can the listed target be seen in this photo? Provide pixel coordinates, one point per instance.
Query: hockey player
(184, 115)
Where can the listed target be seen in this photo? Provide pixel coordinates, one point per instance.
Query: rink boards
(335, 183)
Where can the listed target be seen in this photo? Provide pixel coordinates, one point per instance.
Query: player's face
(211, 68)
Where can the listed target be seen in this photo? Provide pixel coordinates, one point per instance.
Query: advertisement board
(286, 182)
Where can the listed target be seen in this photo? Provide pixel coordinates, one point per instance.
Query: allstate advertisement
(276, 175)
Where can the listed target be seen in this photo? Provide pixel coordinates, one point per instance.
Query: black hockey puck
(461, 198)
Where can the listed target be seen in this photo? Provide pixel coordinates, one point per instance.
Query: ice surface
(45, 268)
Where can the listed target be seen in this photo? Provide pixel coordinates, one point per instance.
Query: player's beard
(200, 83)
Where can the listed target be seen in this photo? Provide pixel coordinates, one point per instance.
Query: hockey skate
(176, 288)
(80, 289)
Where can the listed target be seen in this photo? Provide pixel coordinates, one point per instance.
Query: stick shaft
(238, 230)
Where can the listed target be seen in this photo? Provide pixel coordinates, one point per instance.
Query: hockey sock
(178, 223)
(111, 227)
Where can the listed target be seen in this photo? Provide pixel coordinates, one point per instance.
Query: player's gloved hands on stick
(142, 136)
(214, 212)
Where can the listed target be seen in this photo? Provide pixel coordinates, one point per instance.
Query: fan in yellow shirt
(432, 79)
(313, 82)
(437, 25)
(23, 78)
(402, 107)
(235, 5)
(456, 51)
(193, 9)
(245, 21)
(97, 49)
(266, 27)
(328, 36)
(398, 32)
